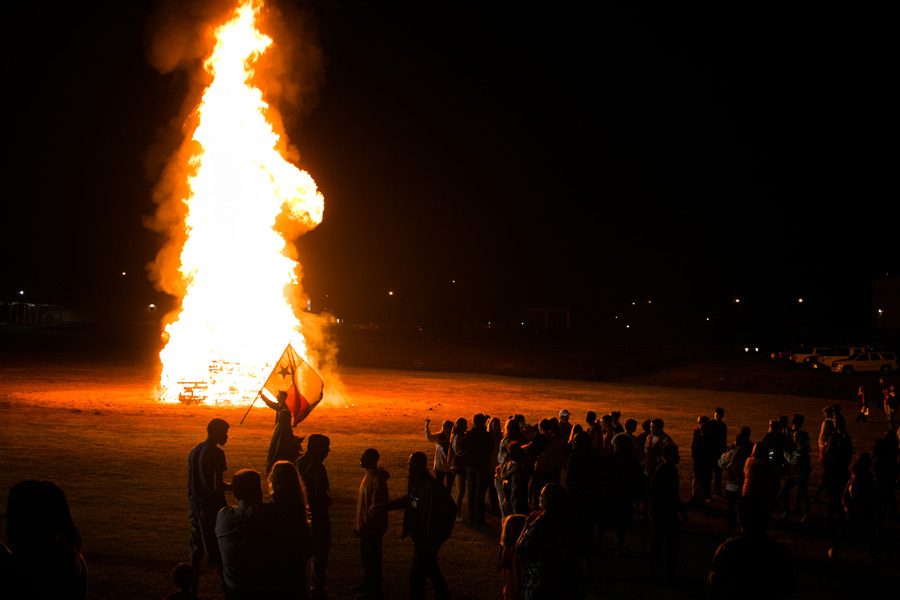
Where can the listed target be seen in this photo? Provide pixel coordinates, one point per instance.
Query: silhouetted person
(593, 429)
(315, 479)
(799, 469)
(732, 464)
(515, 481)
(428, 517)
(776, 443)
(546, 547)
(836, 459)
(457, 460)
(495, 428)
(665, 508)
(44, 559)
(565, 427)
(761, 480)
(859, 503)
(621, 480)
(371, 523)
(206, 495)
(512, 568)
(629, 434)
(703, 454)
(511, 433)
(826, 428)
(719, 432)
(549, 463)
(281, 536)
(891, 404)
(240, 572)
(441, 440)
(751, 565)
(284, 445)
(478, 445)
(656, 443)
(582, 481)
(862, 405)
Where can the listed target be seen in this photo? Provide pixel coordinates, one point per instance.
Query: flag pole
(248, 409)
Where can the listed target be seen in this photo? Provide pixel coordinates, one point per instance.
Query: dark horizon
(581, 158)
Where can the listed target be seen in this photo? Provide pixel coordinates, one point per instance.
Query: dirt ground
(95, 429)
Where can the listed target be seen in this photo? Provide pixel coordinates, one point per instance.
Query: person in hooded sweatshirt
(371, 522)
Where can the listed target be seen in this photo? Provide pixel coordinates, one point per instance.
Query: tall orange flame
(235, 318)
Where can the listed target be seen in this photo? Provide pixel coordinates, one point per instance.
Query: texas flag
(302, 384)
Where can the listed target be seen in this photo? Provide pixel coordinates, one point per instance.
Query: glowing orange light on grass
(235, 320)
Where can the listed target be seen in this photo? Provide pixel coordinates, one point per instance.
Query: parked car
(829, 355)
(885, 362)
(810, 358)
(800, 354)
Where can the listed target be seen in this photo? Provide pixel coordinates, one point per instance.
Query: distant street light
(21, 292)
(800, 300)
(737, 300)
(390, 292)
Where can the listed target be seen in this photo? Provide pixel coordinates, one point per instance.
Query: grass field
(96, 430)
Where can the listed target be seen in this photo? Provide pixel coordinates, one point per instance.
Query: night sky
(583, 157)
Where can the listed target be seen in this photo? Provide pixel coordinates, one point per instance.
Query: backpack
(727, 458)
(445, 510)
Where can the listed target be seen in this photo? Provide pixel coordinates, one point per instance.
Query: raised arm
(269, 403)
(430, 436)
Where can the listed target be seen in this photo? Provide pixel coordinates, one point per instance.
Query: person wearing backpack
(732, 464)
(428, 517)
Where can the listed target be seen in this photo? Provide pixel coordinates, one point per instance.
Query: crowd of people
(555, 488)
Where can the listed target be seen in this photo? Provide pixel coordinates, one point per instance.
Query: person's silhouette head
(553, 499)
(37, 517)
(369, 458)
(418, 465)
(581, 441)
(284, 482)
(217, 431)
(318, 446)
(183, 576)
(246, 485)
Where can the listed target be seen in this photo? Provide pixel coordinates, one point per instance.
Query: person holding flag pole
(292, 385)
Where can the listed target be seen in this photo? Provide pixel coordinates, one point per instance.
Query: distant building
(33, 314)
